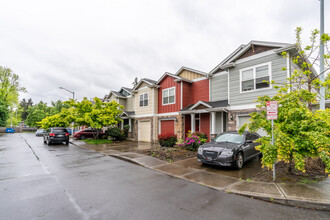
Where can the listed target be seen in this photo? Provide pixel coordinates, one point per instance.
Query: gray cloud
(92, 47)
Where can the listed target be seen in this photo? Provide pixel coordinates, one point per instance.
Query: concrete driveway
(250, 168)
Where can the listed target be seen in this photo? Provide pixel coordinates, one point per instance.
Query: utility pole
(322, 89)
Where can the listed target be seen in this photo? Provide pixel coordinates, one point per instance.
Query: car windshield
(232, 138)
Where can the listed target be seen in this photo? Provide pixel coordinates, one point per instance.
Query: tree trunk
(310, 90)
(290, 163)
(95, 134)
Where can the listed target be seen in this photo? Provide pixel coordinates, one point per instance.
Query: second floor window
(169, 96)
(253, 78)
(143, 99)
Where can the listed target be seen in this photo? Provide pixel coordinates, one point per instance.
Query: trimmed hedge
(167, 140)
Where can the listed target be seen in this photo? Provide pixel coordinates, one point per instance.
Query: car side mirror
(249, 141)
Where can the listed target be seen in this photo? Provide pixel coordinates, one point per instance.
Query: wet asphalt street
(69, 182)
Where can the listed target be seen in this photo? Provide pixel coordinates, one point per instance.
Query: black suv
(56, 135)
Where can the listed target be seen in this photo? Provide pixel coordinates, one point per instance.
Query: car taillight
(52, 134)
(67, 134)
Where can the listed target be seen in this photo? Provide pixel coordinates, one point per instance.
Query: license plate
(60, 135)
(208, 158)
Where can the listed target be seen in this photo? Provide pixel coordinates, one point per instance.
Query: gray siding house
(239, 79)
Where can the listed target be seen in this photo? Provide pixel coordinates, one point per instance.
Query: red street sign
(272, 110)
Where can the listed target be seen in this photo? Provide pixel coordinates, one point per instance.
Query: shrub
(193, 141)
(200, 135)
(116, 134)
(167, 140)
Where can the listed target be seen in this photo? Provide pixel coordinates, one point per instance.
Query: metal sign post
(272, 107)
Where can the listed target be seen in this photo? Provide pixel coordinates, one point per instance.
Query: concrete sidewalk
(313, 195)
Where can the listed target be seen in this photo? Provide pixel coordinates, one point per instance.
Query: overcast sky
(94, 46)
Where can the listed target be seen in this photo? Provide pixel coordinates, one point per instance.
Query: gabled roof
(128, 90)
(209, 105)
(117, 94)
(200, 103)
(228, 61)
(151, 82)
(167, 74)
(191, 70)
(127, 113)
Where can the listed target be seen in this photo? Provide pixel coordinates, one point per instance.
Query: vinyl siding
(144, 109)
(200, 91)
(122, 102)
(219, 88)
(187, 94)
(190, 75)
(130, 103)
(112, 98)
(168, 82)
(248, 98)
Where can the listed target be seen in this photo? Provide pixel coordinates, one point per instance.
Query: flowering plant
(192, 141)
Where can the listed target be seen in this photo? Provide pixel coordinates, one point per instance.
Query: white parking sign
(272, 110)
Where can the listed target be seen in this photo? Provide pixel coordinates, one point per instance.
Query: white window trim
(168, 89)
(143, 100)
(269, 64)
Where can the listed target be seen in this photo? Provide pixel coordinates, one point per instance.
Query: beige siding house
(145, 108)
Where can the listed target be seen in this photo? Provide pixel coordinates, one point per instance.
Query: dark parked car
(229, 149)
(40, 132)
(87, 133)
(56, 135)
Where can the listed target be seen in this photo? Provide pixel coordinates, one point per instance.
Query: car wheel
(48, 142)
(239, 160)
(67, 142)
(260, 156)
(44, 141)
(82, 137)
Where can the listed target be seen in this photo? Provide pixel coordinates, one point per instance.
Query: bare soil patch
(169, 154)
(315, 171)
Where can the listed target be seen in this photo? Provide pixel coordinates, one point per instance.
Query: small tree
(299, 132)
(95, 115)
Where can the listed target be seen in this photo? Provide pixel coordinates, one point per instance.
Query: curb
(125, 159)
(289, 202)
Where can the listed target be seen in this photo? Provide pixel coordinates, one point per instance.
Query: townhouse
(176, 92)
(145, 109)
(239, 80)
(214, 102)
(125, 98)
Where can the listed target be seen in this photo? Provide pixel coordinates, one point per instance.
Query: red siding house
(177, 92)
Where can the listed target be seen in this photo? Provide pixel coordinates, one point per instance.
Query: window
(143, 99)
(253, 78)
(169, 96)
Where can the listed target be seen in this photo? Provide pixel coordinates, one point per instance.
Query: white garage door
(144, 131)
(245, 119)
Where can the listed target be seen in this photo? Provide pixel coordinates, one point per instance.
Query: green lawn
(98, 141)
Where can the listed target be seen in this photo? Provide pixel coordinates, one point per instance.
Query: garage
(144, 131)
(167, 127)
(245, 119)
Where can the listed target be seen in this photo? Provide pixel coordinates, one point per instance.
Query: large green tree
(9, 86)
(4, 113)
(24, 105)
(299, 132)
